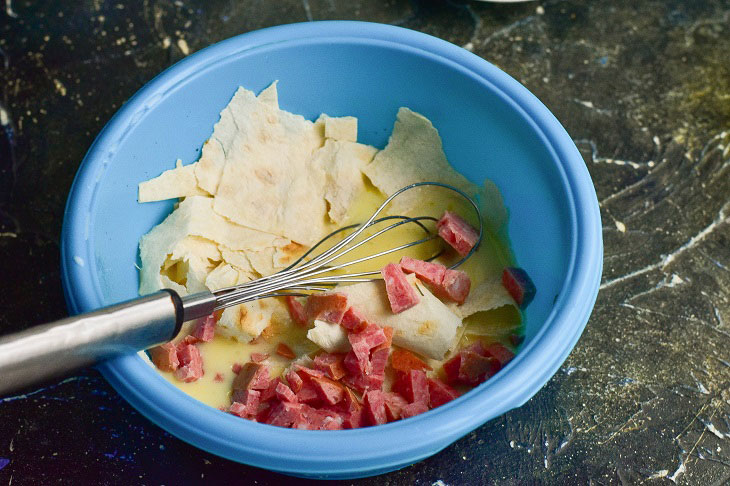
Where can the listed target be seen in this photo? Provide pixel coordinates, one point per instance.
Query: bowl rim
(280, 449)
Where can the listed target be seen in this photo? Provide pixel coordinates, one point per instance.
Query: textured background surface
(643, 87)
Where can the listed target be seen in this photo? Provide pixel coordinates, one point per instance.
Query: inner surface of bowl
(491, 128)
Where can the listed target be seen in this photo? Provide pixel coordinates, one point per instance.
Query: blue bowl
(491, 127)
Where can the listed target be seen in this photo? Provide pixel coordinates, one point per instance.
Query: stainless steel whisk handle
(53, 349)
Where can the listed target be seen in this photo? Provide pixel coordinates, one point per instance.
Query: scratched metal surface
(642, 86)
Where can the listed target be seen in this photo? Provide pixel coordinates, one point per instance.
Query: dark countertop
(643, 87)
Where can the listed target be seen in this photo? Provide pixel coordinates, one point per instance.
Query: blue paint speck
(603, 60)
(4, 462)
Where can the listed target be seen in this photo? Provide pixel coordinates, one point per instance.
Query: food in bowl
(270, 184)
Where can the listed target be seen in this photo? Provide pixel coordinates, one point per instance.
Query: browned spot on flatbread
(264, 175)
(291, 252)
(427, 328)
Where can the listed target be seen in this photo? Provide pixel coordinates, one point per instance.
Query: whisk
(52, 349)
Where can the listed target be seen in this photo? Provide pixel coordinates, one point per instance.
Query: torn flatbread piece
(173, 183)
(428, 328)
(342, 162)
(266, 179)
(488, 295)
(209, 168)
(270, 95)
(246, 321)
(330, 337)
(194, 217)
(414, 154)
(342, 128)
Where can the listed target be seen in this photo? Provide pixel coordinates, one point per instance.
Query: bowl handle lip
(125, 373)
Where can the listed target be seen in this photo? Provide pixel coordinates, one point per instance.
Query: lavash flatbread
(415, 154)
(342, 162)
(488, 295)
(263, 177)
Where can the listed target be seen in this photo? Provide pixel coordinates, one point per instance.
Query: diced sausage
(427, 272)
(394, 403)
(328, 307)
(451, 369)
(370, 337)
(455, 286)
(295, 381)
(329, 391)
(308, 394)
(191, 363)
(259, 357)
(404, 360)
(318, 419)
(413, 409)
(165, 357)
(353, 321)
(354, 419)
(388, 333)
(412, 385)
(440, 393)
(501, 353)
(205, 329)
(284, 393)
(284, 414)
(519, 285)
(516, 339)
(285, 351)
(248, 404)
(253, 376)
(270, 391)
(401, 294)
(374, 406)
(218, 378)
(296, 310)
(455, 231)
(331, 364)
(475, 368)
(236, 367)
(307, 373)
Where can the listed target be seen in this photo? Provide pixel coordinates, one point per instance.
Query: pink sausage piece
(329, 307)
(455, 231)
(455, 286)
(205, 329)
(401, 294)
(165, 357)
(191, 363)
(428, 272)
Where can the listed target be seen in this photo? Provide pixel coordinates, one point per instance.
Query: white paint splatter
(620, 226)
(79, 261)
(9, 9)
(439, 482)
(659, 474)
(540, 10)
(60, 88)
(183, 45)
(4, 117)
